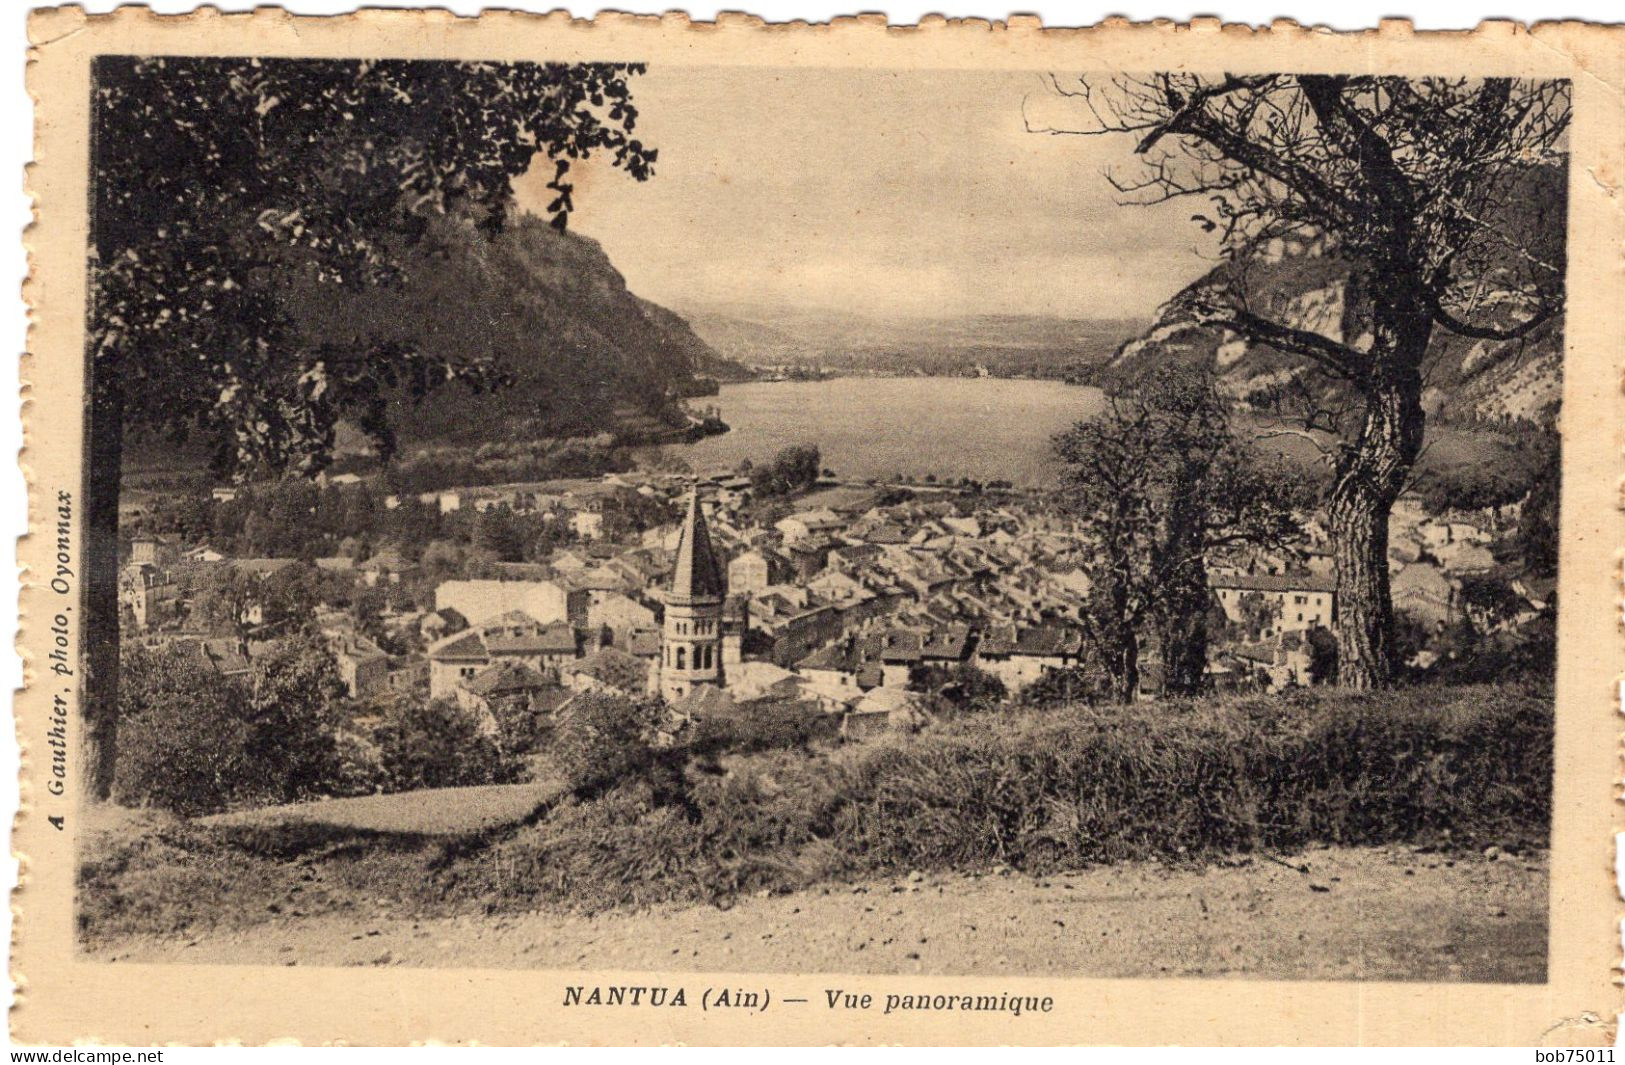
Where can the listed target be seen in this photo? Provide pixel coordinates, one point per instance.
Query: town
(727, 594)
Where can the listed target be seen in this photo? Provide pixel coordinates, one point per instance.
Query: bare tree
(1157, 482)
(1407, 182)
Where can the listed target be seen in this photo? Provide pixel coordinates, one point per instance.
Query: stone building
(691, 634)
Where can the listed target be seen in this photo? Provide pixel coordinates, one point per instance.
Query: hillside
(1310, 287)
(584, 353)
(1005, 345)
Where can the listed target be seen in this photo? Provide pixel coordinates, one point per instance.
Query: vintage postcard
(547, 531)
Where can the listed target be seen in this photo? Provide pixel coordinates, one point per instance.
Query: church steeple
(698, 574)
(691, 637)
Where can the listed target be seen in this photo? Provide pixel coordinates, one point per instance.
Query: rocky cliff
(584, 354)
(1309, 286)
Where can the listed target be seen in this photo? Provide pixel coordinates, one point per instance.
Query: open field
(429, 812)
(1384, 913)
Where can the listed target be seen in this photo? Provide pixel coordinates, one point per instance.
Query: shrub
(195, 742)
(1066, 787)
(181, 734)
(437, 744)
(787, 726)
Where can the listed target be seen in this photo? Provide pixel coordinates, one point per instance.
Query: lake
(877, 427)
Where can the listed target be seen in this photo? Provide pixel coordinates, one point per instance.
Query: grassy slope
(1451, 767)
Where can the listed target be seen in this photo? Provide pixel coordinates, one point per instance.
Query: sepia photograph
(634, 516)
(548, 531)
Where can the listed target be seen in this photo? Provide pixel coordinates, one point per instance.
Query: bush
(1184, 780)
(601, 740)
(437, 744)
(1067, 787)
(1170, 781)
(790, 726)
(181, 734)
(195, 742)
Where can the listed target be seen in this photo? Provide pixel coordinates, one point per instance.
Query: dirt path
(1383, 913)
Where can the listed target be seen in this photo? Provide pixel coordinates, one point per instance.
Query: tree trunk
(1369, 477)
(105, 452)
(1182, 632)
(1126, 675)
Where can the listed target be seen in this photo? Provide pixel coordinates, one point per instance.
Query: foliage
(788, 725)
(793, 469)
(220, 182)
(1405, 182)
(197, 742)
(294, 711)
(1490, 599)
(1322, 655)
(1517, 471)
(183, 735)
(1435, 766)
(1156, 482)
(499, 533)
(627, 513)
(226, 601)
(438, 744)
(1537, 524)
(1057, 688)
(963, 688)
(601, 740)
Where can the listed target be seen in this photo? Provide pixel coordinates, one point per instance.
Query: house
(1425, 591)
(807, 557)
(512, 637)
(840, 673)
(1465, 556)
(1018, 656)
(223, 656)
(223, 493)
(757, 570)
(1283, 662)
(362, 664)
(455, 659)
(761, 680)
(545, 648)
(788, 623)
(617, 612)
(149, 593)
(387, 566)
(503, 686)
(151, 551)
(481, 600)
(733, 491)
(1303, 600)
(702, 702)
(612, 669)
(882, 710)
(442, 622)
(810, 524)
(588, 522)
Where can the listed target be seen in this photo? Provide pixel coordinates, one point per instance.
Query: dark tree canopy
(221, 186)
(221, 183)
(1158, 481)
(1408, 182)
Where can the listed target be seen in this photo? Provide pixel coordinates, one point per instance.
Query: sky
(912, 193)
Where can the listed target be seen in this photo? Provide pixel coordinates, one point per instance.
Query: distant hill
(1308, 285)
(585, 354)
(1008, 345)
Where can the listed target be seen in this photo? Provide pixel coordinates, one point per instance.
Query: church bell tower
(691, 637)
